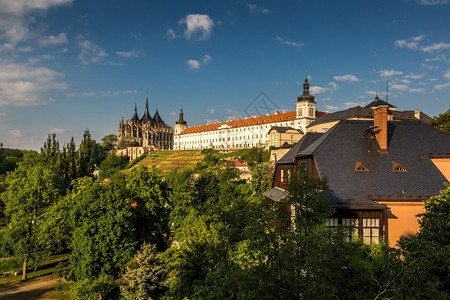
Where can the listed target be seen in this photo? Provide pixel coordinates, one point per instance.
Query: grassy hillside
(169, 161)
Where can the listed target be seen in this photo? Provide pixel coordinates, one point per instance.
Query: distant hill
(169, 161)
(9, 159)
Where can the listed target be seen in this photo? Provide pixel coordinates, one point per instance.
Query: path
(34, 289)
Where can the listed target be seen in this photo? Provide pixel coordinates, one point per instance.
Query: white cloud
(171, 34)
(17, 16)
(405, 81)
(353, 104)
(13, 136)
(413, 43)
(333, 86)
(2, 114)
(331, 107)
(371, 93)
(432, 2)
(193, 64)
(289, 43)
(346, 78)
(211, 110)
(136, 36)
(399, 87)
(436, 47)
(58, 130)
(87, 94)
(127, 54)
(441, 86)
(257, 9)
(405, 44)
(198, 27)
(25, 85)
(414, 76)
(416, 90)
(90, 53)
(206, 59)
(52, 40)
(447, 74)
(389, 73)
(317, 90)
(440, 57)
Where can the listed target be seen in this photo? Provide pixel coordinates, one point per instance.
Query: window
(352, 232)
(360, 167)
(371, 230)
(311, 112)
(332, 222)
(300, 112)
(397, 167)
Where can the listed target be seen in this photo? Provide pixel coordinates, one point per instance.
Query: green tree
(145, 275)
(86, 154)
(442, 122)
(109, 141)
(112, 164)
(31, 189)
(427, 253)
(51, 150)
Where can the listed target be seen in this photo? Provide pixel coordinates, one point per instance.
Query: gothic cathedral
(146, 131)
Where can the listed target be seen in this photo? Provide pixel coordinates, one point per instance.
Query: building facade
(379, 172)
(248, 132)
(146, 131)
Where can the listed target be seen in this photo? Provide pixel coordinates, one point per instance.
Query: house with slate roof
(379, 172)
(327, 121)
(278, 136)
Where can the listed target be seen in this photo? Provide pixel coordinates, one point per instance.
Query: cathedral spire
(146, 117)
(135, 116)
(306, 96)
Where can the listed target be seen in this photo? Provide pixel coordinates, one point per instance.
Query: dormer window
(397, 167)
(360, 167)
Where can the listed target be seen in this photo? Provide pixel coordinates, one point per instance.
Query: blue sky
(68, 65)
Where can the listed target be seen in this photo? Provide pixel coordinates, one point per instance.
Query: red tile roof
(288, 116)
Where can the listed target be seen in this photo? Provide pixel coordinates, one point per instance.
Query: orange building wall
(401, 219)
(443, 164)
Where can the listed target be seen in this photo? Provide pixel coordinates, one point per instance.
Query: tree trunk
(24, 271)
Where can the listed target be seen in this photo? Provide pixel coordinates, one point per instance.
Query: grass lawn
(171, 161)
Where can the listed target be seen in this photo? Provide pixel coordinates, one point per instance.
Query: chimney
(380, 122)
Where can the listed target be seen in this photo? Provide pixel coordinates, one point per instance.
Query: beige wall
(277, 139)
(401, 219)
(324, 127)
(443, 164)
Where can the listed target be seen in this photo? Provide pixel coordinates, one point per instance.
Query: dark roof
(157, 119)
(276, 194)
(135, 116)
(304, 142)
(378, 102)
(282, 129)
(363, 113)
(146, 117)
(357, 111)
(409, 143)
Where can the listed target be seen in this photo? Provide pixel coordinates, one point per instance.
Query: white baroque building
(245, 133)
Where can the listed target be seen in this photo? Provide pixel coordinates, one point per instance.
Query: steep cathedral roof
(146, 117)
(157, 118)
(135, 116)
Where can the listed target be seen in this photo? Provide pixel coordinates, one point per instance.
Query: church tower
(180, 124)
(305, 107)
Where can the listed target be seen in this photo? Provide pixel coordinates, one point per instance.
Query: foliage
(427, 253)
(135, 161)
(86, 152)
(145, 275)
(261, 178)
(442, 122)
(109, 141)
(31, 189)
(103, 287)
(9, 159)
(109, 221)
(126, 141)
(112, 164)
